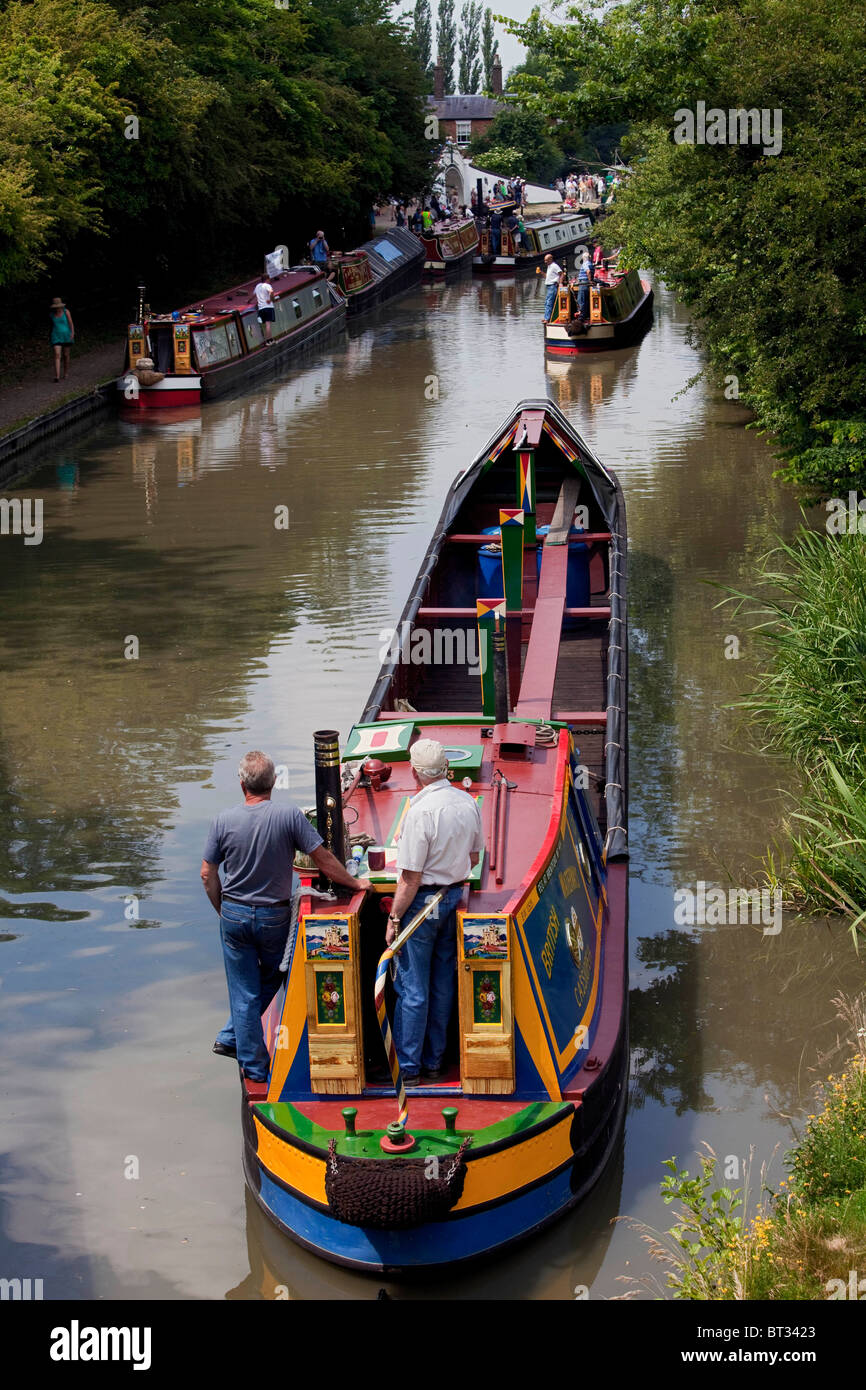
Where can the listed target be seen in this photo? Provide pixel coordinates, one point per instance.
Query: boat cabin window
(297, 308)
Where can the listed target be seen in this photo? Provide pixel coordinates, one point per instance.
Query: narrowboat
(376, 271)
(206, 350)
(556, 234)
(527, 562)
(620, 310)
(449, 246)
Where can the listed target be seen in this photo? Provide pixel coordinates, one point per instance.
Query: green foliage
(524, 132)
(470, 40)
(423, 38)
(706, 1234)
(446, 43)
(489, 49)
(829, 1164)
(809, 621)
(254, 123)
(765, 250)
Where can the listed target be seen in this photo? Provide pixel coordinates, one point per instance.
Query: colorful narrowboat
(556, 234)
(527, 563)
(620, 310)
(449, 246)
(390, 263)
(206, 350)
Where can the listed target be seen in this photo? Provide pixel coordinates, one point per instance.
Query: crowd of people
(581, 190)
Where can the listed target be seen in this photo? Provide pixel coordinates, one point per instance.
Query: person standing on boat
(256, 843)
(62, 337)
(264, 297)
(320, 251)
(583, 289)
(496, 231)
(552, 277)
(439, 844)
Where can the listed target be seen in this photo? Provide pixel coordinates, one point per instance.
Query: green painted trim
(365, 1144)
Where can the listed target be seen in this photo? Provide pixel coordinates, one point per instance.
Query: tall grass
(809, 619)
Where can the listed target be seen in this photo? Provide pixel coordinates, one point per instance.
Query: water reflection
(255, 550)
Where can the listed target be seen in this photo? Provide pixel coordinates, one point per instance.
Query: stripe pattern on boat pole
(379, 996)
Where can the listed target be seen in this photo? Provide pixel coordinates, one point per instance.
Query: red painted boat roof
(241, 296)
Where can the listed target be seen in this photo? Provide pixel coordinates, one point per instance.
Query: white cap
(428, 758)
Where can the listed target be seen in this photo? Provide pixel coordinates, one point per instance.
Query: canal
(166, 624)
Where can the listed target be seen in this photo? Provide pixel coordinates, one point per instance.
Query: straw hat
(57, 303)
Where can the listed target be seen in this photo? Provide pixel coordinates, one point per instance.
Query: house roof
(468, 108)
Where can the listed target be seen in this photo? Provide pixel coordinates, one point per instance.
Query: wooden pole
(526, 492)
(487, 610)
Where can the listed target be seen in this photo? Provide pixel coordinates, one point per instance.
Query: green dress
(60, 330)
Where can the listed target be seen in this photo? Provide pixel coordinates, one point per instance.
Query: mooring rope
(379, 996)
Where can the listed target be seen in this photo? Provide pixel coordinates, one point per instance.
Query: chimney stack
(497, 76)
(439, 81)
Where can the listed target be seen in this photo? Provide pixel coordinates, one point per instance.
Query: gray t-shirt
(256, 843)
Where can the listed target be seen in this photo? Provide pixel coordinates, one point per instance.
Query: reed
(808, 617)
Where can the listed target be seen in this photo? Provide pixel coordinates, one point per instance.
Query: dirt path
(37, 393)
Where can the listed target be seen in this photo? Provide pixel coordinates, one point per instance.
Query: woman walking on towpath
(62, 336)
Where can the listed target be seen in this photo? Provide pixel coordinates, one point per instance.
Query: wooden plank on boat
(563, 516)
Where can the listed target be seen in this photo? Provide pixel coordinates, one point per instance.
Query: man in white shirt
(551, 280)
(440, 842)
(264, 297)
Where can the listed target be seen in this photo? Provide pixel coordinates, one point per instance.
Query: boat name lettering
(568, 881)
(549, 871)
(550, 941)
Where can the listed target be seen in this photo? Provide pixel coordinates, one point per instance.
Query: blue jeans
(425, 983)
(583, 301)
(254, 939)
(550, 300)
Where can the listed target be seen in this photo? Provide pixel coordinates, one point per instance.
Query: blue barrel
(490, 566)
(577, 590)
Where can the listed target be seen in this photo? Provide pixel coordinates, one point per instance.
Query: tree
(764, 242)
(470, 39)
(446, 42)
(525, 132)
(489, 49)
(423, 36)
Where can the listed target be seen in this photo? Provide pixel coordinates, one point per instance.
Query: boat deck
(240, 296)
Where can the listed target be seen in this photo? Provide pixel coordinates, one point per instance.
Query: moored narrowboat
(619, 311)
(203, 351)
(449, 246)
(527, 562)
(383, 267)
(556, 234)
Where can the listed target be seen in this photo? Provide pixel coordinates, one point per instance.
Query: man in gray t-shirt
(256, 843)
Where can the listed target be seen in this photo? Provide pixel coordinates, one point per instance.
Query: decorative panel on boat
(333, 1003)
(486, 1022)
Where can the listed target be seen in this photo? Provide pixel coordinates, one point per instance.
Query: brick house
(461, 118)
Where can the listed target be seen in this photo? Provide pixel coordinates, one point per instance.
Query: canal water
(166, 624)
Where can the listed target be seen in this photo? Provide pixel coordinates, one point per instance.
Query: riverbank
(807, 1239)
(807, 614)
(36, 408)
